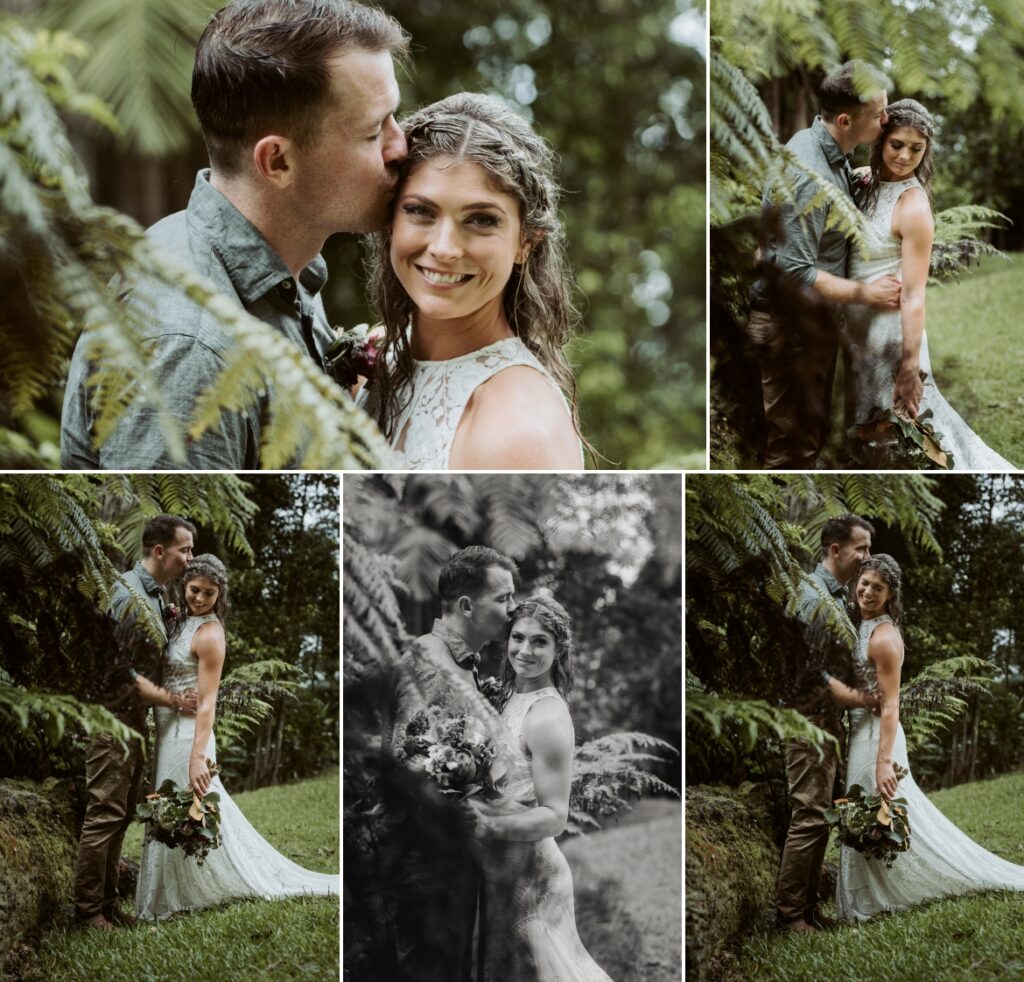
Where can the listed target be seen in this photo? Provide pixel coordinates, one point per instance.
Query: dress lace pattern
(528, 916)
(245, 865)
(425, 430)
(874, 342)
(941, 861)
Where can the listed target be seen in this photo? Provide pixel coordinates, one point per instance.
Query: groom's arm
(883, 293)
(153, 695)
(844, 695)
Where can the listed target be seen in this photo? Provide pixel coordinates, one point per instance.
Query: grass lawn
(295, 938)
(976, 937)
(628, 884)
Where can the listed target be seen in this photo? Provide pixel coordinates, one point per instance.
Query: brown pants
(810, 791)
(796, 386)
(113, 778)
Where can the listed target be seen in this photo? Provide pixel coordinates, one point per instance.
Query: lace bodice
(519, 772)
(425, 430)
(885, 250)
(865, 676)
(181, 670)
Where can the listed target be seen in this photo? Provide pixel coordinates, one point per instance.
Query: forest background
(617, 88)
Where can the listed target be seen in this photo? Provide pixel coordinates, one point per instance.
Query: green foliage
(607, 773)
(61, 251)
(938, 696)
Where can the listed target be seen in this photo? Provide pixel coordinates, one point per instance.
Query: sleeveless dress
(245, 864)
(941, 861)
(425, 429)
(874, 343)
(528, 916)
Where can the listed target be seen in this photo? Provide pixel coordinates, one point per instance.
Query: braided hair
(555, 619)
(886, 567)
(538, 296)
(214, 570)
(904, 113)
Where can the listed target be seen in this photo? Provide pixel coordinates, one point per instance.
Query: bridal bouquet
(180, 819)
(892, 438)
(352, 354)
(872, 824)
(452, 749)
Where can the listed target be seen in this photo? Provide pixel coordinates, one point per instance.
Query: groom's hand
(883, 293)
(186, 702)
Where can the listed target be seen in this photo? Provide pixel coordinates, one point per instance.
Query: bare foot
(98, 923)
(800, 927)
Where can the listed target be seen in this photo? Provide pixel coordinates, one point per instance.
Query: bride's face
(902, 152)
(200, 595)
(454, 239)
(872, 594)
(531, 649)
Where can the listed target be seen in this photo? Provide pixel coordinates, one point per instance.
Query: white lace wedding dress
(874, 345)
(528, 915)
(245, 864)
(425, 429)
(941, 861)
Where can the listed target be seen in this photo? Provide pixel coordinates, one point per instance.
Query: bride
(883, 345)
(245, 864)
(941, 861)
(472, 286)
(528, 919)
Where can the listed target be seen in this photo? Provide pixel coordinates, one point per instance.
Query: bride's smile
(531, 653)
(201, 595)
(454, 242)
(872, 594)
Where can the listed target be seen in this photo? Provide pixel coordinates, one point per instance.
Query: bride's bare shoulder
(516, 420)
(886, 642)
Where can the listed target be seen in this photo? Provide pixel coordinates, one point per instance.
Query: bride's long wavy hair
(555, 619)
(213, 569)
(910, 113)
(885, 566)
(538, 296)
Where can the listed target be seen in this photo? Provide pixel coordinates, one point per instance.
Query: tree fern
(61, 251)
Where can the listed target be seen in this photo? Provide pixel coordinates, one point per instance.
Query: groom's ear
(465, 605)
(272, 158)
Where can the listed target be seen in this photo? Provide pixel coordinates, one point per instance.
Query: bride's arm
(548, 735)
(913, 223)
(208, 647)
(516, 420)
(885, 651)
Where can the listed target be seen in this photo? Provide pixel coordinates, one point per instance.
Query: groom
(113, 775)
(477, 590)
(845, 544)
(794, 320)
(296, 102)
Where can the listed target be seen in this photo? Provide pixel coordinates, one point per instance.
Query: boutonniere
(863, 180)
(352, 354)
(171, 613)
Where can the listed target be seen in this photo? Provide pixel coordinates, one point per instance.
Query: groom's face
(867, 122)
(348, 176)
(850, 554)
(495, 604)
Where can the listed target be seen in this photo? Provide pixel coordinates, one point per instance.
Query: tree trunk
(731, 866)
(38, 840)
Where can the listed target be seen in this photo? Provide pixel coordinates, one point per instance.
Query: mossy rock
(731, 867)
(37, 857)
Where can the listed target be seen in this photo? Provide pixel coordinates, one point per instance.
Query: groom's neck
(840, 136)
(830, 565)
(457, 623)
(151, 566)
(295, 241)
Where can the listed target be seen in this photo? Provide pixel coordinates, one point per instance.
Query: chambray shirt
(188, 347)
(803, 245)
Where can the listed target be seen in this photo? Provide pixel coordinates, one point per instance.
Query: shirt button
(287, 285)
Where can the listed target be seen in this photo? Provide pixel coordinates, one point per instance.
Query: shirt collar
(149, 584)
(251, 263)
(828, 144)
(464, 655)
(833, 585)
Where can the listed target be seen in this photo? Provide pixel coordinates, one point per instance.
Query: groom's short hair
(839, 530)
(849, 87)
(464, 574)
(261, 66)
(162, 530)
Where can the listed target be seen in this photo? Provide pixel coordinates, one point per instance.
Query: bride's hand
(885, 778)
(909, 388)
(199, 775)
